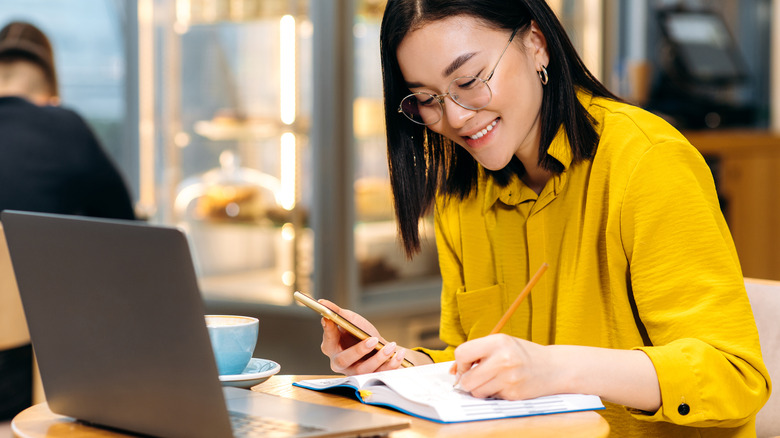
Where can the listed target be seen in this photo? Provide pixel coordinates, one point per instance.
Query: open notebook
(427, 392)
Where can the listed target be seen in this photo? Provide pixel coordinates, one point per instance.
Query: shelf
(237, 131)
(258, 286)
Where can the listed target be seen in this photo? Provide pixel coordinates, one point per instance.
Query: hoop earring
(543, 75)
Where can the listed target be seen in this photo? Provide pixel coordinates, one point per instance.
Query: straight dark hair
(422, 162)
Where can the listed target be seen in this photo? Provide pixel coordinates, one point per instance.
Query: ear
(536, 42)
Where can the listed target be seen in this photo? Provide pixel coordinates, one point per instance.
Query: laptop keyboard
(253, 425)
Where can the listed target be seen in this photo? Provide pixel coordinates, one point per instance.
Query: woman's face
(438, 52)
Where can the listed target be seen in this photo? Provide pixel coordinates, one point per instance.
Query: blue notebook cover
(428, 392)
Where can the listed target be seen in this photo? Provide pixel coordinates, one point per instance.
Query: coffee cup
(233, 339)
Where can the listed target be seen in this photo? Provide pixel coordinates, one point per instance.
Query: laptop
(116, 321)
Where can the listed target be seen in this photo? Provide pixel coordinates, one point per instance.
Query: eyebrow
(454, 65)
(460, 60)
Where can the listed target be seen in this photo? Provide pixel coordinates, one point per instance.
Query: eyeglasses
(469, 92)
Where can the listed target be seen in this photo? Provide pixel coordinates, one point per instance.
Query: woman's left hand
(502, 366)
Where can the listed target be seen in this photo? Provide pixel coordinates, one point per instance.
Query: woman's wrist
(417, 357)
(565, 375)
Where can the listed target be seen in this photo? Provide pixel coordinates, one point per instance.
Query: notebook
(429, 392)
(116, 321)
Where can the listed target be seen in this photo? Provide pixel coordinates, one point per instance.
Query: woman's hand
(349, 355)
(505, 367)
(513, 369)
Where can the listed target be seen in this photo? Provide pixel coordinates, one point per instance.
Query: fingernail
(322, 321)
(400, 355)
(389, 349)
(371, 342)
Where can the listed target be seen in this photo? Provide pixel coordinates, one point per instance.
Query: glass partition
(232, 109)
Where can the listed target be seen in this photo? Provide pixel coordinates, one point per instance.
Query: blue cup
(233, 339)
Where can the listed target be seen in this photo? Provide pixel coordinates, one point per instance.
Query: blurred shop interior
(257, 126)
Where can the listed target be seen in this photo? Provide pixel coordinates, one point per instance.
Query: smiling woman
(494, 121)
(465, 124)
(469, 92)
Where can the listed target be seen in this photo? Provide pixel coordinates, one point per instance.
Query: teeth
(484, 131)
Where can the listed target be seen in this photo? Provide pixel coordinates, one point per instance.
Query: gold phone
(340, 321)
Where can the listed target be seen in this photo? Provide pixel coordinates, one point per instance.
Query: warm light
(288, 232)
(288, 278)
(183, 16)
(287, 153)
(287, 68)
(146, 98)
(591, 36)
(181, 139)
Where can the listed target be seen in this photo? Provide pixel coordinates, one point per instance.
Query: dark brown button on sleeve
(683, 409)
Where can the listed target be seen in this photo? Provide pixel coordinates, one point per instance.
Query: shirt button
(683, 409)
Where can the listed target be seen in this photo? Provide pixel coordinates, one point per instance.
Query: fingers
(348, 355)
(331, 338)
(347, 360)
(481, 383)
(363, 358)
(471, 353)
(329, 304)
(393, 357)
(486, 366)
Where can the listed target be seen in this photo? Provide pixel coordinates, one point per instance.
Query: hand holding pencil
(508, 314)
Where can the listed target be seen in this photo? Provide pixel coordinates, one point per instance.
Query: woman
(493, 119)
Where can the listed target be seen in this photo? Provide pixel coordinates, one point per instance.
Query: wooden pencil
(511, 310)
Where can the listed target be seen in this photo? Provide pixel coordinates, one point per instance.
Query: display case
(268, 148)
(384, 272)
(231, 92)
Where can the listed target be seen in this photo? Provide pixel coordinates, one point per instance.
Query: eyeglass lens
(469, 92)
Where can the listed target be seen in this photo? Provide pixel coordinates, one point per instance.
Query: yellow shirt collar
(516, 191)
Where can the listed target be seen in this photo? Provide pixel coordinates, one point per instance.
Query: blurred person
(50, 161)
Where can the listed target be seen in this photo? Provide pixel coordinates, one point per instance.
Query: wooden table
(38, 421)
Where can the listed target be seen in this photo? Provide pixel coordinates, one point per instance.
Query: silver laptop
(116, 321)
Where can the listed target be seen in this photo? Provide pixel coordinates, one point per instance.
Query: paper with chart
(427, 391)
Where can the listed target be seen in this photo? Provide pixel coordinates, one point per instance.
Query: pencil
(511, 310)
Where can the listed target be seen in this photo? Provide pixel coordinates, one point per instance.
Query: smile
(481, 133)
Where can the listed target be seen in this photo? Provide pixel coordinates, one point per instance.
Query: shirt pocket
(480, 309)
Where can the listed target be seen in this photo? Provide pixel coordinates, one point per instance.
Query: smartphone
(340, 321)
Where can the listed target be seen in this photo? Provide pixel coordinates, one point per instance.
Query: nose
(456, 115)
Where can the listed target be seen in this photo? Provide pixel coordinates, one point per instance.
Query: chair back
(13, 326)
(765, 300)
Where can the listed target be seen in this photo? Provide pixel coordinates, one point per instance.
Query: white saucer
(258, 371)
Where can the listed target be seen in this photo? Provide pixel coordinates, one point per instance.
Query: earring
(543, 75)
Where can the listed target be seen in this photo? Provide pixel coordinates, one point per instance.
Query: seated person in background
(50, 161)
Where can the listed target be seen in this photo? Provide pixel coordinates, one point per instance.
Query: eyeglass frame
(440, 97)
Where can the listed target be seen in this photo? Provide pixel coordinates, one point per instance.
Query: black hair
(422, 162)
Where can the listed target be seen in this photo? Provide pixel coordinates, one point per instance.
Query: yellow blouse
(640, 258)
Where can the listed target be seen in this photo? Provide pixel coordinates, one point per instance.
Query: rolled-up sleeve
(687, 285)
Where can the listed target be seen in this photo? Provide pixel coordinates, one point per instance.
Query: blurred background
(257, 126)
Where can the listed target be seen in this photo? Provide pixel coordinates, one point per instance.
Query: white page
(432, 385)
